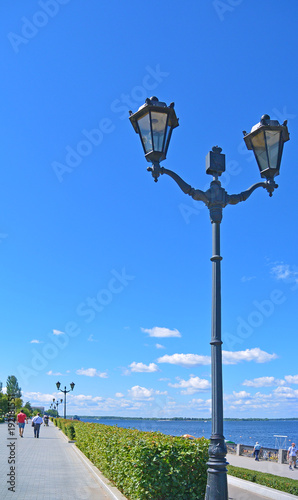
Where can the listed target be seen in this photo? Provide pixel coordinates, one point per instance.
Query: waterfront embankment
(51, 467)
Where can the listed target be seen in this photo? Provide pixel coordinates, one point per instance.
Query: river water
(240, 431)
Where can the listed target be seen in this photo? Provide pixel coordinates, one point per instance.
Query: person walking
(21, 419)
(256, 451)
(292, 455)
(36, 422)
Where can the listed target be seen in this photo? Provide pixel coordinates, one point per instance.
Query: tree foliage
(3, 403)
(28, 406)
(12, 386)
(52, 413)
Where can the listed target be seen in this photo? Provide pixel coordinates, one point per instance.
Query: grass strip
(284, 484)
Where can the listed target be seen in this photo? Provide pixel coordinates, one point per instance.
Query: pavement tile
(46, 468)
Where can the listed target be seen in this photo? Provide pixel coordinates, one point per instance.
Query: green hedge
(144, 465)
(276, 482)
(67, 426)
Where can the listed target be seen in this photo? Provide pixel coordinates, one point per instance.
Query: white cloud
(141, 368)
(91, 338)
(53, 373)
(229, 358)
(119, 395)
(138, 392)
(284, 272)
(241, 394)
(263, 382)
(194, 384)
(36, 341)
(286, 393)
(81, 397)
(237, 397)
(255, 354)
(157, 331)
(37, 397)
(58, 332)
(281, 398)
(244, 279)
(291, 379)
(159, 346)
(200, 404)
(187, 360)
(91, 372)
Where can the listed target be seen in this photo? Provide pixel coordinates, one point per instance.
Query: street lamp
(266, 139)
(55, 405)
(65, 392)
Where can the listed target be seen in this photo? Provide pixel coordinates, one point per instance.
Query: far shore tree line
(13, 390)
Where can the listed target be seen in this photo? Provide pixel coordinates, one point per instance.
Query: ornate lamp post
(154, 123)
(55, 405)
(64, 392)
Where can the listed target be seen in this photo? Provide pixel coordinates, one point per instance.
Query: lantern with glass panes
(154, 122)
(266, 139)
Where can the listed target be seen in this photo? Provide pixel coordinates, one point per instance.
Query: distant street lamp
(65, 392)
(154, 122)
(55, 405)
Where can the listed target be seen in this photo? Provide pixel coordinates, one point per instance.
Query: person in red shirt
(21, 419)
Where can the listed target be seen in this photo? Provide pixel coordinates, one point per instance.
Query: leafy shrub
(70, 430)
(276, 482)
(146, 465)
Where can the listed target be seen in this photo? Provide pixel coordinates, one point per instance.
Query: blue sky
(106, 276)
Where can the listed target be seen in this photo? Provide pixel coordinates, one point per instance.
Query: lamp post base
(217, 485)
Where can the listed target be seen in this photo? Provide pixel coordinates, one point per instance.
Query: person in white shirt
(37, 421)
(292, 452)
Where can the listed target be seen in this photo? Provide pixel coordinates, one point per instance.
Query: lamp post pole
(64, 392)
(154, 122)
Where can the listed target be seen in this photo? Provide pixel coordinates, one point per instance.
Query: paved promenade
(262, 466)
(48, 468)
